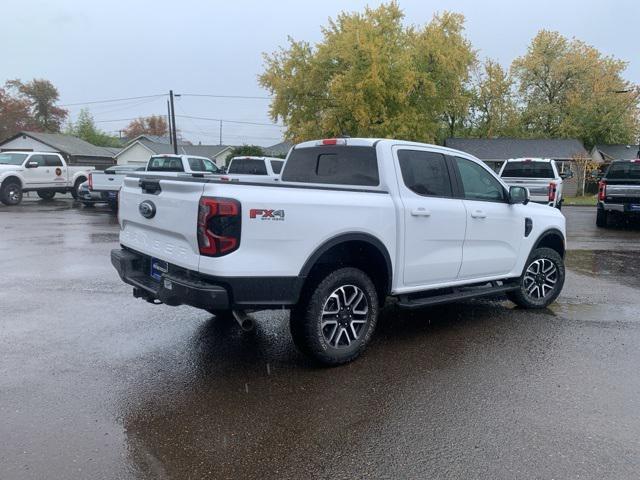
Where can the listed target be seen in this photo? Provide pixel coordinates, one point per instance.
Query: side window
(195, 164)
(276, 166)
(478, 183)
(425, 173)
(210, 167)
(52, 161)
(37, 158)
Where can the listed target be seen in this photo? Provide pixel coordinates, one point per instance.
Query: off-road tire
(11, 193)
(306, 319)
(46, 195)
(539, 256)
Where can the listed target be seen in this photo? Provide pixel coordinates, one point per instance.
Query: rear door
(56, 170)
(495, 228)
(170, 233)
(434, 220)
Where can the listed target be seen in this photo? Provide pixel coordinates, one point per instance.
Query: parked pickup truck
(254, 169)
(108, 183)
(619, 191)
(539, 175)
(46, 173)
(352, 222)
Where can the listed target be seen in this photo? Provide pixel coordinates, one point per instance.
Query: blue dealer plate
(158, 267)
(634, 207)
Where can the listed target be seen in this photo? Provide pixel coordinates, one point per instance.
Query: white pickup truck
(540, 175)
(254, 169)
(352, 222)
(109, 182)
(46, 173)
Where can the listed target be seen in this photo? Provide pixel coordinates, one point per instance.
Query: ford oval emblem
(147, 209)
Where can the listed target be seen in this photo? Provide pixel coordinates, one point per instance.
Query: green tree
(246, 151)
(494, 110)
(85, 128)
(372, 76)
(568, 89)
(42, 96)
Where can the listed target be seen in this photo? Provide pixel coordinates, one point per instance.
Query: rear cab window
(528, 169)
(624, 170)
(336, 164)
(165, 164)
(248, 166)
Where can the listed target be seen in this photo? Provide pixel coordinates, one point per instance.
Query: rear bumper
(623, 207)
(180, 286)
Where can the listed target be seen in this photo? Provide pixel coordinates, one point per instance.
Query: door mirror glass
(518, 195)
(32, 165)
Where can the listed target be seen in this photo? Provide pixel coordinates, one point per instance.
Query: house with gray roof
(75, 150)
(494, 151)
(607, 153)
(139, 150)
(278, 150)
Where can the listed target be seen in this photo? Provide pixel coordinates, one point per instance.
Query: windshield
(12, 158)
(528, 170)
(624, 170)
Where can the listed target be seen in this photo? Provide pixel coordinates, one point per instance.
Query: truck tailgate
(170, 233)
(536, 186)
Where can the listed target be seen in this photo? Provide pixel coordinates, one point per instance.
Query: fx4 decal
(265, 214)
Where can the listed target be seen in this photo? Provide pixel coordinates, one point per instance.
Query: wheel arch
(356, 249)
(10, 178)
(553, 239)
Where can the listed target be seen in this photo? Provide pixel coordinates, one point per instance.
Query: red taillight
(602, 190)
(90, 181)
(219, 225)
(552, 191)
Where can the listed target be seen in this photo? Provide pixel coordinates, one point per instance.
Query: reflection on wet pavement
(622, 267)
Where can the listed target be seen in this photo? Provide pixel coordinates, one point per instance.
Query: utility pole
(220, 133)
(169, 130)
(173, 123)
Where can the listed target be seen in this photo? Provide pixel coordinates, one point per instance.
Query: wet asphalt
(96, 384)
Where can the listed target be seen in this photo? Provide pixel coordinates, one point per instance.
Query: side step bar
(437, 297)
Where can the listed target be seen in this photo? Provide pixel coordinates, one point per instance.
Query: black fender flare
(350, 237)
(551, 232)
(13, 178)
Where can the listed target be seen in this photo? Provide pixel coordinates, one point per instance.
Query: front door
(39, 176)
(434, 220)
(495, 229)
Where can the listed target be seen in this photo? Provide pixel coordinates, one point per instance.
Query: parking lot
(96, 384)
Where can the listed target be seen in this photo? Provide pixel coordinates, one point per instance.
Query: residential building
(607, 153)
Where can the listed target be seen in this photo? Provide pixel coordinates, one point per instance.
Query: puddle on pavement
(621, 267)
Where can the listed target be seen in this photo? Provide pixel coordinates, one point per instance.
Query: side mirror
(566, 175)
(31, 165)
(518, 195)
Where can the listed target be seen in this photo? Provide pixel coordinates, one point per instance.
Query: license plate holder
(634, 207)
(157, 268)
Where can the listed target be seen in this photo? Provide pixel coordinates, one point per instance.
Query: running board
(447, 295)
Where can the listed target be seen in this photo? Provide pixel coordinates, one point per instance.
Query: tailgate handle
(150, 186)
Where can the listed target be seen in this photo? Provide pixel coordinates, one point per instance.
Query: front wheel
(46, 194)
(11, 193)
(542, 280)
(334, 323)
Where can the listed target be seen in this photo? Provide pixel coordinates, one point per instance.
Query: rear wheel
(601, 218)
(46, 194)
(11, 193)
(334, 323)
(76, 187)
(542, 280)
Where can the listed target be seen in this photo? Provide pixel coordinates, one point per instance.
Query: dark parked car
(619, 191)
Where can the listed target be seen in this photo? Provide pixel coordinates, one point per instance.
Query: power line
(112, 100)
(243, 97)
(231, 121)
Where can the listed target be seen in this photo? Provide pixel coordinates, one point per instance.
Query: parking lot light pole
(173, 123)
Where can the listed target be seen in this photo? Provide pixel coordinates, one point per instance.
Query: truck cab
(46, 173)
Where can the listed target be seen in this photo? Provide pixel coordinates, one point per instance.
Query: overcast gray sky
(95, 50)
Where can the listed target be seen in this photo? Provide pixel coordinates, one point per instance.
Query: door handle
(420, 212)
(478, 214)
